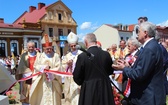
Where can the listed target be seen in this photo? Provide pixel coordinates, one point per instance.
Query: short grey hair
(157, 36)
(30, 42)
(149, 27)
(134, 42)
(90, 37)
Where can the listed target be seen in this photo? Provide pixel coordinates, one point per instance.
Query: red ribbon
(59, 73)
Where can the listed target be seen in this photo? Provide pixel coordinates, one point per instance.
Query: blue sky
(91, 14)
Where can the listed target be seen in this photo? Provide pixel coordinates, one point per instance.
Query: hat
(72, 38)
(46, 41)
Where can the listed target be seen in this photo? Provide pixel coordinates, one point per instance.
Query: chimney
(32, 8)
(119, 26)
(40, 5)
(1, 20)
(124, 28)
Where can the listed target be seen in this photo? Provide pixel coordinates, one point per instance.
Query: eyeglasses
(73, 46)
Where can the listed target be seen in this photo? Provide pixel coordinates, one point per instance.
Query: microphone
(82, 49)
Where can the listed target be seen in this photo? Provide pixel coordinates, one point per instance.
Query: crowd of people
(138, 67)
(10, 63)
(145, 69)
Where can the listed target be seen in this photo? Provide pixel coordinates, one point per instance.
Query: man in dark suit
(92, 73)
(147, 85)
(165, 66)
(165, 60)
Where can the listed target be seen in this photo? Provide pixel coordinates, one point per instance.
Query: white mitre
(72, 38)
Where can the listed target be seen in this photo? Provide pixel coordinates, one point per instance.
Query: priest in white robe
(25, 69)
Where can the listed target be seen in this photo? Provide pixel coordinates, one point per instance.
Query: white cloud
(85, 28)
(88, 26)
(81, 37)
(85, 25)
(94, 26)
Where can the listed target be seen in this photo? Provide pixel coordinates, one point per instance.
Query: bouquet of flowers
(12, 97)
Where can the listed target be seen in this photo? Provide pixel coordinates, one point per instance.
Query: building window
(60, 32)
(69, 18)
(69, 30)
(51, 32)
(35, 42)
(126, 28)
(14, 47)
(50, 15)
(59, 16)
(2, 49)
(127, 38)
(122, 38)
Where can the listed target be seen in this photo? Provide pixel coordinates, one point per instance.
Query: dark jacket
(95, 88)
(147, 79)
(165, 66)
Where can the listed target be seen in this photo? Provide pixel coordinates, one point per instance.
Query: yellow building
(55, 20)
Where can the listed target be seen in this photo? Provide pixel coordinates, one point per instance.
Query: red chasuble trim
(31, 62)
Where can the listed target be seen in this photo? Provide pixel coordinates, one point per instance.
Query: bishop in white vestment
(71, 89)
(46, 88)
